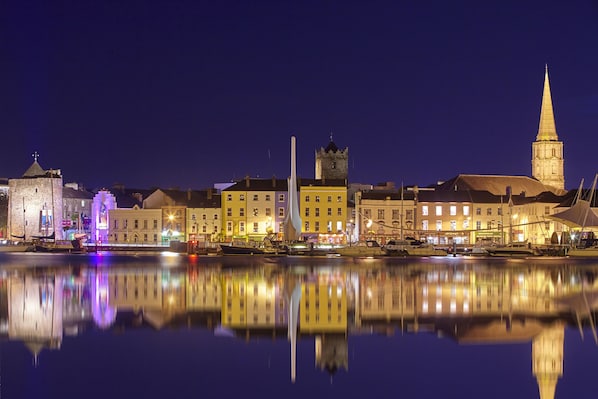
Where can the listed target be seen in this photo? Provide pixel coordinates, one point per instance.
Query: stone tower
(35, 204)
(548, 163)
(331, 162)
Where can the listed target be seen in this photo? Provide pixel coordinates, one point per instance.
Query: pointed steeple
(547, 128)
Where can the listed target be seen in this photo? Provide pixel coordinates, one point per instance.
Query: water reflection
(470, 301)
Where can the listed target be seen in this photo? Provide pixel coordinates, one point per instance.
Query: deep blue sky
(190, 93)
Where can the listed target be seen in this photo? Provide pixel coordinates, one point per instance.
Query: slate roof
(497, 185)
(194, 198)
(68, 192)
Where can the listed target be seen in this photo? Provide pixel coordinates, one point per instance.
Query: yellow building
(253, 209)
(323, 209)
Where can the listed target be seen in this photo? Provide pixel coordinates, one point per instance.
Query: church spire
(547, 128)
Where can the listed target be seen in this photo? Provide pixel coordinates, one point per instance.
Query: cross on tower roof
(35, 155)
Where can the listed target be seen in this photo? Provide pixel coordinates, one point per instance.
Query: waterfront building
(135, 226)
(547, 151)
(35, 203)
(76, 211)
(384, 215)
(203, 216)
(253, 209)
(323, 209)
(102, 203)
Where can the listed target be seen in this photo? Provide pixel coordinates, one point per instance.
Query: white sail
(292, 222)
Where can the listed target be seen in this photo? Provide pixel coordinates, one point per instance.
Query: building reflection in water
(474, 303)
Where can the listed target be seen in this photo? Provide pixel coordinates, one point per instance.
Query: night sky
(190, 93)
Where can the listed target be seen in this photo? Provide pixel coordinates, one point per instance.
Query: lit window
(453, 225)
(453, 210)
(255, 197)
(280, 197)
(307, 198)
(438, 225)
(465, 210)
(438, 305)
(425, 210)
(438, 210)
(424, 225)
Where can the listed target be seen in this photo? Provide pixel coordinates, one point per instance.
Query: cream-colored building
(135, 226)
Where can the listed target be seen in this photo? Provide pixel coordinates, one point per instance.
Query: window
(155, 224)
(229, 227)
(465, 210)
(488, 225)
(317, 198)
(306, 226)
(367, 213)
(317, 212)
(256, 197)
(317, 226)
(280, 197)
(339, 198)
(547, 210)
(267, 197)
(424, 210)
(116, 223)
(155, 238)
(330, 198)
(203, 217)
(453, 210)
(306, 212)
(255, 212)
(229, 212)
(499, 211)
(242, 197)
(409, 214)
(329, 226)
(136, 224)
(241, 227)
(125, 237)
(380, 213)
(281, 212)
(478, 225)
(489, 211)
(241, 211)
(478, 211)
(268, 211)
(204, 229)
(396, 215)
(145, 224)
(466, 224)
(329, 212)
(339, 211)
(229, 197)
(438, 225)
(307, 198)
(215, 216)
(126, 223)
(255, 227)
(424, 225)
(453, 225)
(438, 210)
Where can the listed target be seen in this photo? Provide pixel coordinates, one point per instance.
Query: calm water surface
(97, 326)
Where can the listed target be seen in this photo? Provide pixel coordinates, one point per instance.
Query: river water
(151, 326)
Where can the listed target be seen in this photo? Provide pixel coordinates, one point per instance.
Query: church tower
(331, 162)
(547, 150)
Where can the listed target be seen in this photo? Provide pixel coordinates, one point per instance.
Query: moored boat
(369, 248)
(251, 249)
(15, 246)
(412, 247)
(513, 249)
